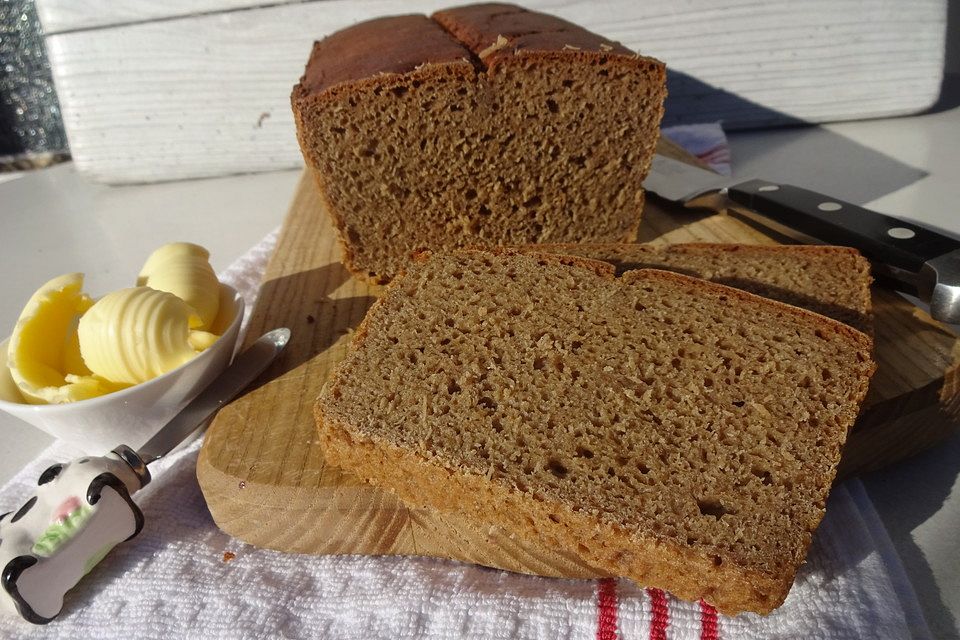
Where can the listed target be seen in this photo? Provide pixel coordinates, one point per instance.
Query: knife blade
(904, 255)
(245, 367)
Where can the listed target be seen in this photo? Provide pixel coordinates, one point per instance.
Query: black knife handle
(880, 238)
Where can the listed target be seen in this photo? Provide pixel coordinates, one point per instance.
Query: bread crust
(504, 29)
(394, 45)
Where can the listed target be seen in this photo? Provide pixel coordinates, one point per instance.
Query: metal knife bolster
(909, 257)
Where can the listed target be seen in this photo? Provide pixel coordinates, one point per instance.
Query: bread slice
(832, 281)
(483, 125)
(678, 432)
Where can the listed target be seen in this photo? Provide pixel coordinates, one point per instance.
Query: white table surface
(53, 221)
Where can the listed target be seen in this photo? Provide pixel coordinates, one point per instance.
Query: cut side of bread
(483, 125)
(664, 428)
(832, 281)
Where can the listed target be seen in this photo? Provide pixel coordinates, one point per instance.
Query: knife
(82, 509)
(904, 256)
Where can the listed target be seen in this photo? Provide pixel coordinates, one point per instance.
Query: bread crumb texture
(480, 144)
(667, 429)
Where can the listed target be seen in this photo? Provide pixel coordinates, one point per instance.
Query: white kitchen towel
(184, 578)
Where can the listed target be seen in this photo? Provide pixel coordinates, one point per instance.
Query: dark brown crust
(399, 45)
(480, 26)
(392, 45)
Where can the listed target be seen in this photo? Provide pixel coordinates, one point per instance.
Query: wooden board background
(265, 478)
(178, 89)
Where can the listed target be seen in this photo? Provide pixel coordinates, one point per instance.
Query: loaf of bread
(664, 428)
(832, 281)
(482, 125)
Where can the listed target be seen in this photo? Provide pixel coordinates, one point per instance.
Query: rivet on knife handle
(82, 509)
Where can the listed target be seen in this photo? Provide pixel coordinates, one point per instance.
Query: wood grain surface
(265, 478)
(169, 90)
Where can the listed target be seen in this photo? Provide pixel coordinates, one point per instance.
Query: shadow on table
(906, 496)
(795, 153)
(950, 89)
(302, 302)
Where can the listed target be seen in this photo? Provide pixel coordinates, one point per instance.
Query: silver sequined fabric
(30, 122)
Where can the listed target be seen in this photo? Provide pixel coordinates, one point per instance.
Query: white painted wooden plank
(208, 95)
(60, 16)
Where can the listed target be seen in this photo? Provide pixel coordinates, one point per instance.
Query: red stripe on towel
(661, 614)
(607, 609)
(708, 622)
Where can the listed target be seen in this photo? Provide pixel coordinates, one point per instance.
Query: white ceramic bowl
(130, 416)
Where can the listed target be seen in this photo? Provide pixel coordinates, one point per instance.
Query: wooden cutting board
(263, 472)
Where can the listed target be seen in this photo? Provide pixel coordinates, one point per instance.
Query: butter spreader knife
(904, 256)
(82, 508)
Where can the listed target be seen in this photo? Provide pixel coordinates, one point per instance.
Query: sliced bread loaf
(831, 281)
(664, 428)
(486, 124)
